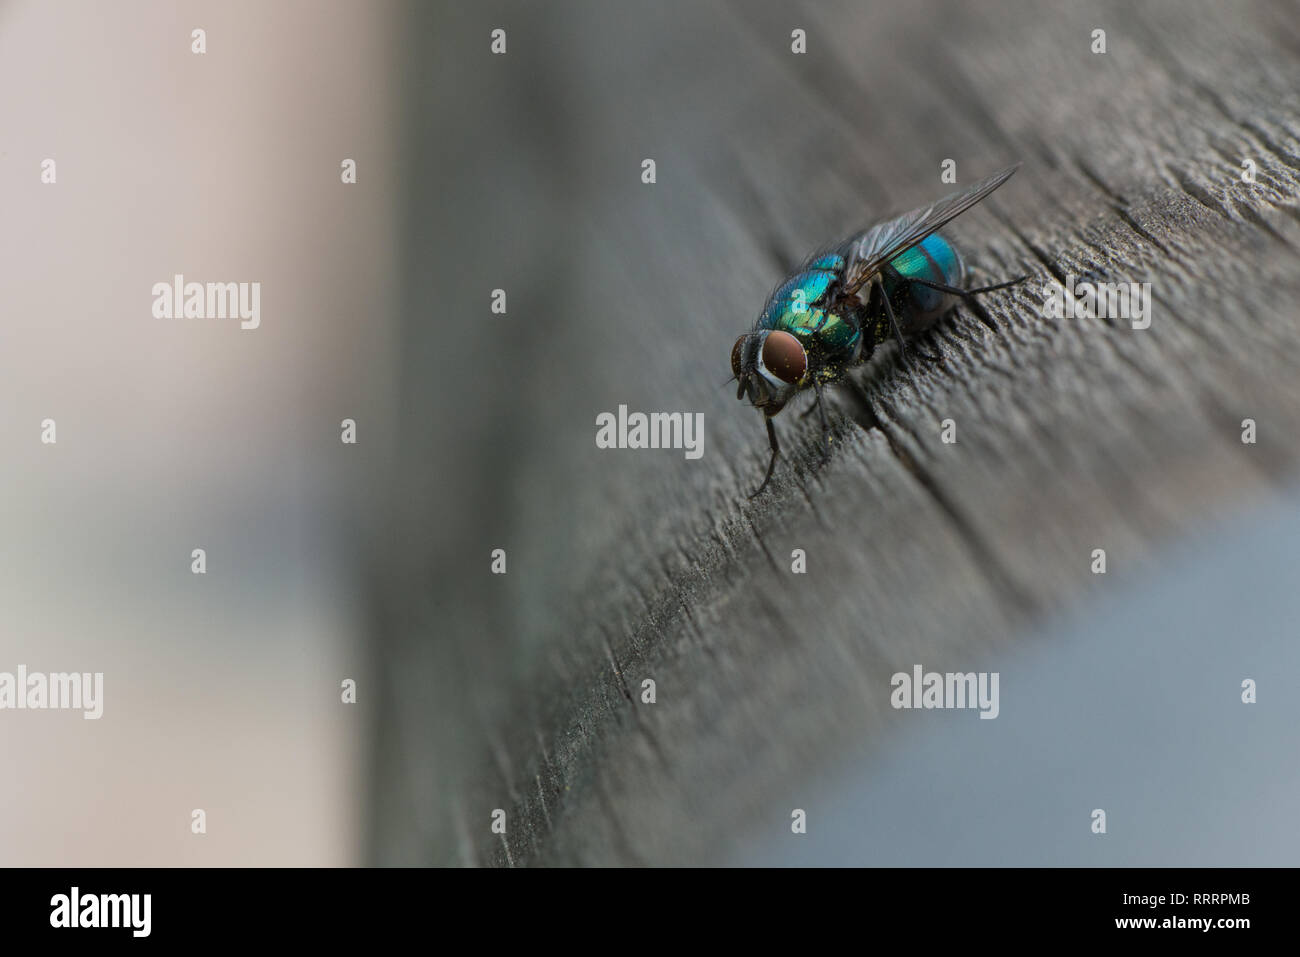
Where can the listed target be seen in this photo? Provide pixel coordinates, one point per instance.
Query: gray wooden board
(521, 692)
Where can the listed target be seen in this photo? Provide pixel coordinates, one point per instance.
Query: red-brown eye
(784, 357)
(735, 355)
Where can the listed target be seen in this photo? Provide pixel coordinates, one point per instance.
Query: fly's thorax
(799, 330)
(803, 293)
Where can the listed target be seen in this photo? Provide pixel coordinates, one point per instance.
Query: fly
(897, 278)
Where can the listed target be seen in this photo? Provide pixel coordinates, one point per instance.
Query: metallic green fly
(897, 278)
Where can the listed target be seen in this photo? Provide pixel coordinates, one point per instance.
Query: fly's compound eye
(783, 356)
(735, 355)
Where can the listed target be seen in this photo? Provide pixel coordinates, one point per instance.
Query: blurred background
(522, 171)
(221, 690)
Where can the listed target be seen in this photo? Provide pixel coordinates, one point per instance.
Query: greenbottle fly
(897, 278)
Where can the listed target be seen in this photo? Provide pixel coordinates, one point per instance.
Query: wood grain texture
(521, 692)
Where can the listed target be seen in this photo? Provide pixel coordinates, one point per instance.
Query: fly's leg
(963, 293)
(819, 406)
(776, 450)
(821, 410)
(966, 293)
(893, 322)
(816, 405)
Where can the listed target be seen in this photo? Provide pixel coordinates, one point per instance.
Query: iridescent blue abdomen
(933, 259)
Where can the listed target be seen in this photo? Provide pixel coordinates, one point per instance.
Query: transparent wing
(881, 243)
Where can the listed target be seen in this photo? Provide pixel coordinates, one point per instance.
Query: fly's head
(768, 365)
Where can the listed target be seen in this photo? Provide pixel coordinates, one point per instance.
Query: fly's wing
(881, 243)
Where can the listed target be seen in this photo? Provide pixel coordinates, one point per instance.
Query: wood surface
(522, 692)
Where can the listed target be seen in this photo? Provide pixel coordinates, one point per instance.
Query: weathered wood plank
(521, 692)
